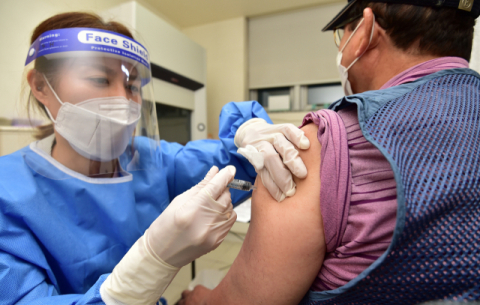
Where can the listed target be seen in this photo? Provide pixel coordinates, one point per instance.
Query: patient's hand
(197, 296)
(284, 247)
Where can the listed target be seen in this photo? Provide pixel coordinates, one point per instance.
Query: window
(275, 99)
(298, 97)
(321, 96)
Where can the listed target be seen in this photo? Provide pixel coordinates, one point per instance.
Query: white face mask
(98, 129)
(347, 88)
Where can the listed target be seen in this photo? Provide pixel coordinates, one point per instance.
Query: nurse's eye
(99, 80)
(133, 88)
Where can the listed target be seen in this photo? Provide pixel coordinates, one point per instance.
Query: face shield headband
(80, 41)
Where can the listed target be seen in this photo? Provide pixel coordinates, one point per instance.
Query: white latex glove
(198, 222)
(194, 223)
(265, 146)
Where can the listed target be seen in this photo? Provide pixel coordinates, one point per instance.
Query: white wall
(18, 18)
(290, 48)
(14, 138)
(295, 118)
(225, 43)
(170, 48)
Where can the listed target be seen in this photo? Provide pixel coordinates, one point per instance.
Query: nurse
(99, 210)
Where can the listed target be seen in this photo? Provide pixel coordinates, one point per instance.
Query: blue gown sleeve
(24, 283)
(187, 165)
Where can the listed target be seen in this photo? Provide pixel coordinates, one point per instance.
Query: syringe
(241, 185)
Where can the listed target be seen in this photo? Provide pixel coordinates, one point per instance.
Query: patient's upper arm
(284, 247)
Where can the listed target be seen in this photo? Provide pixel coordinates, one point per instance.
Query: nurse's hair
(50, 67)
(420, 30)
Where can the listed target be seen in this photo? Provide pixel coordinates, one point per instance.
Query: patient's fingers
(290, 156)
(295, 135)
(253, 156)
(279, 173)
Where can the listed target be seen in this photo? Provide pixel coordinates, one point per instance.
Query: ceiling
(187, 13)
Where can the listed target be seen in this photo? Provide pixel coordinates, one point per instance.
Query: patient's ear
(38, 86)
(367, 32)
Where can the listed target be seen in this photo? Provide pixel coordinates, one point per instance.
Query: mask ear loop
(56, 96)
(354, 31)
(370, 41)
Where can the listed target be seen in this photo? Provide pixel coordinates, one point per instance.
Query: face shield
(96, 88)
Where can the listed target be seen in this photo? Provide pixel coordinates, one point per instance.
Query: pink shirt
(358, 191)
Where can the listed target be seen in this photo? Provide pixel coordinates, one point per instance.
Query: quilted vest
(429, 131)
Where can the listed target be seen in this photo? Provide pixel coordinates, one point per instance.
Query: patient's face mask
(98, 129)
(343, 71)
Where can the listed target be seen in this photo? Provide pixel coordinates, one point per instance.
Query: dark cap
(471, 7)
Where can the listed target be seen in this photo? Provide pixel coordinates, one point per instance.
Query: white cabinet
(175, 53)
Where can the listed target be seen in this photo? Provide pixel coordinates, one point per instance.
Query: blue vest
(429, 131)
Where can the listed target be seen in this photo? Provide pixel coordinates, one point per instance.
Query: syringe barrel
(240, 185)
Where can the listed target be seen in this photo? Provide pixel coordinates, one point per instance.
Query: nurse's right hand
(194, 223)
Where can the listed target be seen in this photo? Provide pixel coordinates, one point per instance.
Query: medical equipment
(241, 185)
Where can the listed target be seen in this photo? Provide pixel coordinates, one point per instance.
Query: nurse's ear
(38, 86)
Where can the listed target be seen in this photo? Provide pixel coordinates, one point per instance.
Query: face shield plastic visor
(99, 94)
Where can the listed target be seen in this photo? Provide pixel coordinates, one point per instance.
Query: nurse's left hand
(272, 150)
(197, 296)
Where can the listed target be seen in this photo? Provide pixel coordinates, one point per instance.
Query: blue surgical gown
(62, 234)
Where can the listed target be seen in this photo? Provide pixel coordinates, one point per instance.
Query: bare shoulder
(285, 244)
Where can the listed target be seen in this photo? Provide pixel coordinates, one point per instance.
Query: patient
(340, 221)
